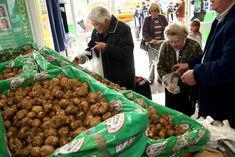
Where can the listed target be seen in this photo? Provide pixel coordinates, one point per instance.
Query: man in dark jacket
(113, 38)
(214, 71)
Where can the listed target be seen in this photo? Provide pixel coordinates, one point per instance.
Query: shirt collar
(221, 16)
(113, 24)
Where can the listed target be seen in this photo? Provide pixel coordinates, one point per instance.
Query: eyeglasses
(153, 11)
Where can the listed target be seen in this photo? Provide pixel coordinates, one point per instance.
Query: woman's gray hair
(176, 29)
(99, 14)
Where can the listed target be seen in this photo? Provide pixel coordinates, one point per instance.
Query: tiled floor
(142, 69)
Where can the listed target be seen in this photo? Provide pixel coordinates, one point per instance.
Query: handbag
(143, 45)
(96, 63)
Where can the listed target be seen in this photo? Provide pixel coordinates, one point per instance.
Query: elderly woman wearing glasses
(175, 51)
(114, 40)
(153, 33)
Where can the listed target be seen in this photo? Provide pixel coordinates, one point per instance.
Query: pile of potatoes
(8, 73)
(49, 114)
(23, 51)
(161, 126)
(107, 83)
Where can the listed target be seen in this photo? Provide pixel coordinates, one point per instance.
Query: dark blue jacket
(117, 57)
(215, 77)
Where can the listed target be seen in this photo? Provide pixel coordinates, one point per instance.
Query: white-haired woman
(113, 38)
(178, 49)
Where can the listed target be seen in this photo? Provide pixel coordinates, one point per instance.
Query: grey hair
(99, 14)
(176, 29)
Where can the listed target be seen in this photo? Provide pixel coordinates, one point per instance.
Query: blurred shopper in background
(114, 40)
(170, 11)
(180, 11)
(214, 71)
(144, 11)
(195, 31)
(153, 33)
(138, 21)
(178, 49)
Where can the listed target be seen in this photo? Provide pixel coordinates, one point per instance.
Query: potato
(95, 108)
(46, 118)
(15, 144)
(59, 121)
(75, 124)
(85, 85)
(81, 115)
(3, 103)
(37, 141)
(41, 114)
(55, 82)
(35, 152)
(63, 132)
(46, 125)
(21, 114)
(85, 106)
(65, 83)
(52, 140)
(7, 124)
(76, 101)
(36, 87)
(22, 153)
(48, 95)
(155, 119)
(11, 134)
(37, 109)
(71, 109)
(82, 92)
(27, 103)
(68, 94)
(92, 98)
(64, 141)
(103, 108)
(26, 122)
(64, 103)
(152, 111)
(50, 132)
(31, 115)
(57, 93)
(107, 115)
(78, 131)
(95, 121)
(8, 114)
(47, 150)
(36, 123)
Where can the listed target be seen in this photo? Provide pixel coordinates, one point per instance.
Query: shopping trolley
(153, 63)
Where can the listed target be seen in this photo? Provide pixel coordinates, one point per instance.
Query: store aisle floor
(142, 69)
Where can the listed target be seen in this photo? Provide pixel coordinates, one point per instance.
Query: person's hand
(188, 78)
(81, 59)
(180, 68)
(99, 45)
(154, 42)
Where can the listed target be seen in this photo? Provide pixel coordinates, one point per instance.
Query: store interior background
(78, 31)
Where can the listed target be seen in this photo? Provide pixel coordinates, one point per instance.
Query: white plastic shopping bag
(170, 81)
(218, 130)
(96, 63)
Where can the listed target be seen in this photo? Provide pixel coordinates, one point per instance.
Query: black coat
(117, 57)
